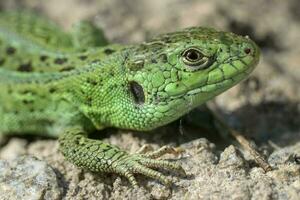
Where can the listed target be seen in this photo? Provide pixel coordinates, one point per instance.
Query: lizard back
(35, 57)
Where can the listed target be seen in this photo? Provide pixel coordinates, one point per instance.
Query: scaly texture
(67, 85)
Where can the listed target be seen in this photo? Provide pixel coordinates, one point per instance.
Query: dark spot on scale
(65, 69)
(108, 51)
(111, 87)
(89, 101)
(82, 57)
(27, 92)
(52, 90)
(25, 101)
(60, 61)
(10, 50)
(2, 61)
(91, 81)
(26, 67)
(43, 58)
(153, 61)
(96, 61)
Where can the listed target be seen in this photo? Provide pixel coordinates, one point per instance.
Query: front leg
(98, 156)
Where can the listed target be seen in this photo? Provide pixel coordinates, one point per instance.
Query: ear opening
(137, 92)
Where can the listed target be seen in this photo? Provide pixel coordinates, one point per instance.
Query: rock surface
(266, 107)
(211, 175)
(28, 178)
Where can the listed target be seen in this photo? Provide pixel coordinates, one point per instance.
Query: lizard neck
(95, 88)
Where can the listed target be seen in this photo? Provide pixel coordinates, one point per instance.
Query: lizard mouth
(221, 85)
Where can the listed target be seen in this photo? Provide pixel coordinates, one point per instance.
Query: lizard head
(176, 72)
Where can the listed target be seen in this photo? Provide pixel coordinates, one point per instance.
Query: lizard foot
(99, 156)
(144, 161)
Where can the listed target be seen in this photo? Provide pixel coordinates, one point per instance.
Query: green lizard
(67, 85)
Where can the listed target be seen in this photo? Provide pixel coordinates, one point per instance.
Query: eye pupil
(193, 55)
(194, 59)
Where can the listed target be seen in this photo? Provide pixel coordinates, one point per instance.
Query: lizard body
(67, 85)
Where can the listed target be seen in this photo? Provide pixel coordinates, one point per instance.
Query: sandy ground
(266, 108)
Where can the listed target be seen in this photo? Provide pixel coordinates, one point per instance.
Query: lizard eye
(195, 59)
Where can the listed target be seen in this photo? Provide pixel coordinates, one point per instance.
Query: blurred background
(266, 107)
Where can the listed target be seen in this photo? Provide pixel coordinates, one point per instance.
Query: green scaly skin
(68, 85)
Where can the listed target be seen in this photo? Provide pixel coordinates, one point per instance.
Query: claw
(153, 174)
(162, 151)
(144, 149)
(132, 180)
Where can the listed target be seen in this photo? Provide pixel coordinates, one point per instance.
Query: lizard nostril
(247, 50)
